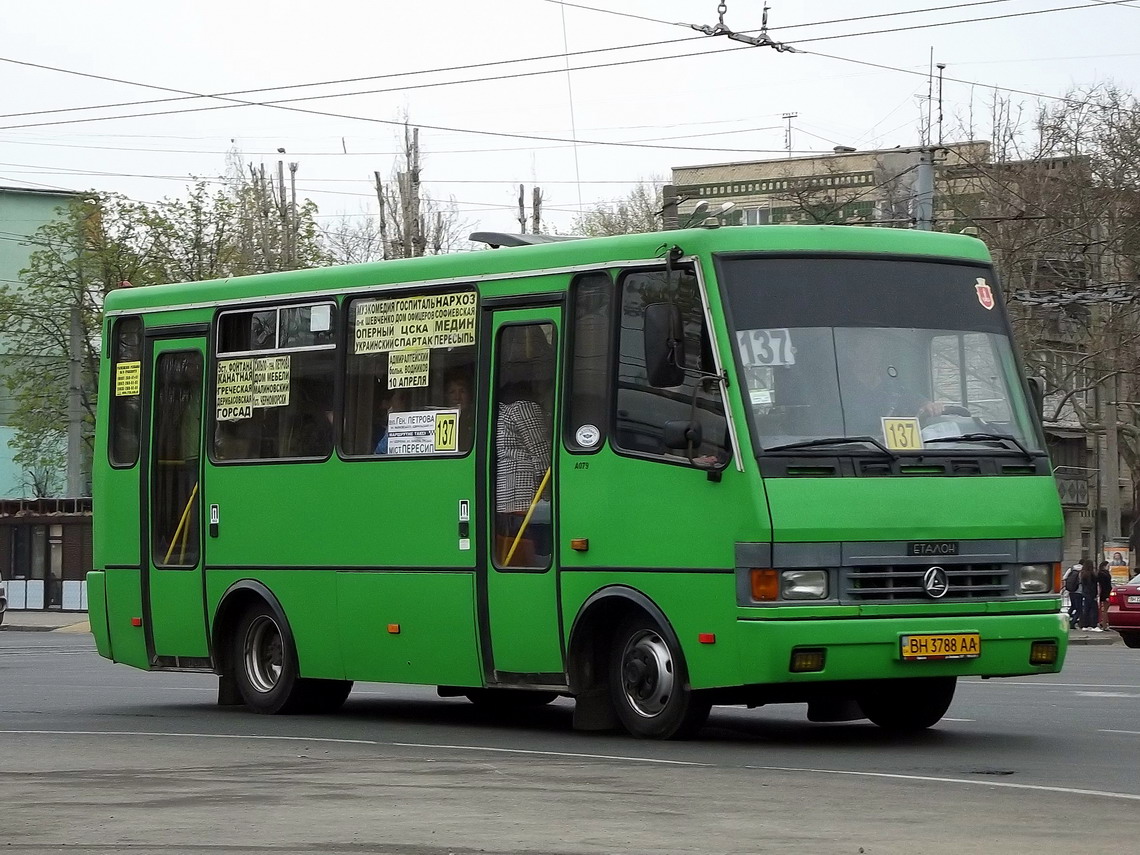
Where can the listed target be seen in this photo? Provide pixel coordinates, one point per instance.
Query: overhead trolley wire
(282, 103)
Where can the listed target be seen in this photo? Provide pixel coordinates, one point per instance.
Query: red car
(1124, 611)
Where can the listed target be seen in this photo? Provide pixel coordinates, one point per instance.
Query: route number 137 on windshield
(766, 347)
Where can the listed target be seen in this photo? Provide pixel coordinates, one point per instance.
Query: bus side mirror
(1037, 394)
(664, 345)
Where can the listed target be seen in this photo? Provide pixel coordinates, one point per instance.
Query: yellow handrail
(526, 519)
(183, 530)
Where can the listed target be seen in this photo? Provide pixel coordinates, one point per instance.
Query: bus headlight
(803, 584)
(1035, 578)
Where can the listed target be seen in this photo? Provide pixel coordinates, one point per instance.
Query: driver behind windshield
(873, 387)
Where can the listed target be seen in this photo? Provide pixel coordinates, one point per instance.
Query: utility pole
(383, 217)
(536, 205)
(293, 214)
(75, 367)
(924, 190)
(522, 209)
(283, 212)
(74, 401)
(787, 117)
(263, 198)
(419, 239)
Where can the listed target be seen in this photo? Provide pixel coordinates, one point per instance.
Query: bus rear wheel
(908, 706)
(648, 683)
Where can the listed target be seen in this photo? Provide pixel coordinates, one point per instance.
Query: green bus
(652, 473)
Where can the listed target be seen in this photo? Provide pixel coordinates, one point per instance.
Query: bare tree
(412, 223)
(639, 211)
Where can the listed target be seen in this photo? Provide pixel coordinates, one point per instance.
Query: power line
(185, 95)
(913, 27)
(282, 103)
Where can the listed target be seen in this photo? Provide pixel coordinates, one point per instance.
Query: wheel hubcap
(647, 673)
(263, 654)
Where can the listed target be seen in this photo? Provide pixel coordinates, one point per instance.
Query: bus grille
(903, 583)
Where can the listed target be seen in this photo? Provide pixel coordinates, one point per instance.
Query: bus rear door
(522, 616)
(173, 576)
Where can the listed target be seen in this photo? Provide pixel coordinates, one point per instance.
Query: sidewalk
(1083, 636)
(37, 621)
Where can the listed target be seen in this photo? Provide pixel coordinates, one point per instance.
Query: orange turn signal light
(580, 544)
(765, 584)
(1057, 578)
(394, 628)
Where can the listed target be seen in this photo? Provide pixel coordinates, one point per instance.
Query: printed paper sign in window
(423, 432)
(413, 323)
(407, 368)
(127, 378)
(234, 392)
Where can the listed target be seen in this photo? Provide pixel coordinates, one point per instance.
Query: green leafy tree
(104, 241)
(99, 242)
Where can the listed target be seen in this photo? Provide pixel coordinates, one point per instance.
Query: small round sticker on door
(587, 436)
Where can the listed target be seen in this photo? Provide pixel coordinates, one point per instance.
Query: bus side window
(642, 409)
(410, 354)
(273, 380)
(126, 378)
(588, 394)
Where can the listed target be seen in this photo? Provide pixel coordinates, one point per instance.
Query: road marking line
(1125, 732)
(957, 719)
(1106, 695)
(549, 753)
(1051, 685)
(936, 780)
(193, 735)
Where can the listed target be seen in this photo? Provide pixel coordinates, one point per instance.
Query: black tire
(908, 706)
(506, 700)
(1131, 639)
(265, 663)
(649, 684)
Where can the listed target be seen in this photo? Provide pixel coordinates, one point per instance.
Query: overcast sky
(711, 99)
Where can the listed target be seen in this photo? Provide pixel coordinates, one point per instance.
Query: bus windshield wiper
(835, 440)
(979, 436)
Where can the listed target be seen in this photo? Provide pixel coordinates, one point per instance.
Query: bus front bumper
(900, 647)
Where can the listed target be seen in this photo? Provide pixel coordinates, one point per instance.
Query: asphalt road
(96, 757)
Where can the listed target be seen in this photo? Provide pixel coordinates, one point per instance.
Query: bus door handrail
(183, 530)
(526, 519)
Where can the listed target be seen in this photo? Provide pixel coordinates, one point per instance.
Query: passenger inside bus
(458, 396)
(874, 389)
(523, 428)
(392, 401)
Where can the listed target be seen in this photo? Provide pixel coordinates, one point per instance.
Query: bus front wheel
(908, 706)
(649, 684)
(265, 663)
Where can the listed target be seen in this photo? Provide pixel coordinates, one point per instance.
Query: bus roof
(586, 252)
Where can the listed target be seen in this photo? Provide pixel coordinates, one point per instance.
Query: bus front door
(174, 584)
(521, 557)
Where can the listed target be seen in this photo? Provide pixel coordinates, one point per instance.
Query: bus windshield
(914, 354)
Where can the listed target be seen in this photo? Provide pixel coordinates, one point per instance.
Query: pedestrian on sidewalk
(1090, 618)
(1103, 590)
(1071, 582)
